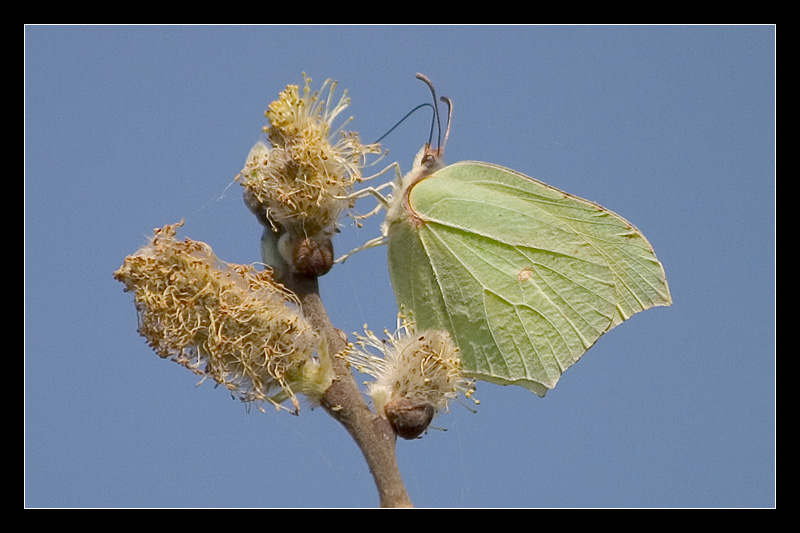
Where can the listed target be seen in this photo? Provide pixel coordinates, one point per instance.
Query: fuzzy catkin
(224, 321)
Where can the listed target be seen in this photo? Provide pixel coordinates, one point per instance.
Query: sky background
(131, 128)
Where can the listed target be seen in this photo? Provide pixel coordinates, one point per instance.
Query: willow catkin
(224, 321)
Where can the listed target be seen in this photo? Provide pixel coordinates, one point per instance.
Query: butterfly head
(427, 161)
(430, 159)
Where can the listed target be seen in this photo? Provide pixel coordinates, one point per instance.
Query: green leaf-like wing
(525, 277)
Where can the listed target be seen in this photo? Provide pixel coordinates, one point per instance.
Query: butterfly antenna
(382, 137)
(428, 82)
(449, 116)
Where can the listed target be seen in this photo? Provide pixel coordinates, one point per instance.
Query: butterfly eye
(427, 158)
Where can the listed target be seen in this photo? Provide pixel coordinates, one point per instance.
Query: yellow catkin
(224, 321)
(304, 177)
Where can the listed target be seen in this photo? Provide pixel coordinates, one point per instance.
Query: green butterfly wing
(525, 277)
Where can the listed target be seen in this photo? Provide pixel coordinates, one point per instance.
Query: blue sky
(128, 128)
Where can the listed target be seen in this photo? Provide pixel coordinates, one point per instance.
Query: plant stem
(345, 403)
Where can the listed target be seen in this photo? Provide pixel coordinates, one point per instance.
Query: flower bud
(310, 257)
(408, 419)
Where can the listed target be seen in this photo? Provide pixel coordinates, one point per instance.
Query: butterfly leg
(383, 203)
(372, 243)
(376, 192)
(370, 191)
(357, 218)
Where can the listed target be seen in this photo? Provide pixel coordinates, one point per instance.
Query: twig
(345, 403)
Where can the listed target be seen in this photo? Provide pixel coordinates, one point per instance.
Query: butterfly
(525, 277)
